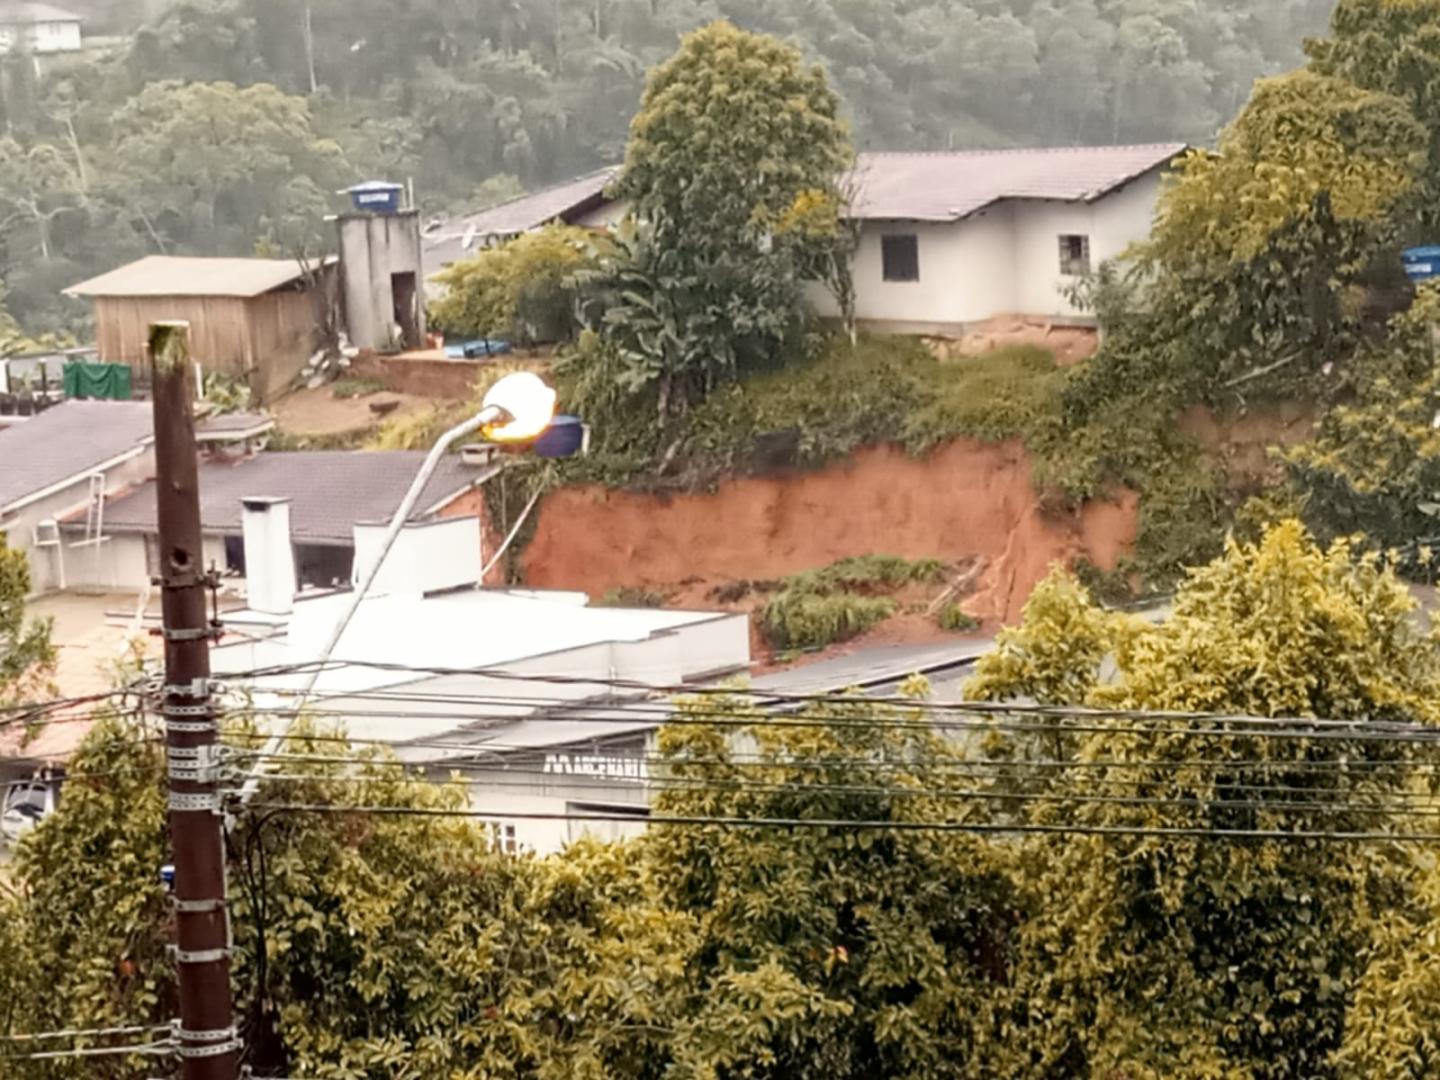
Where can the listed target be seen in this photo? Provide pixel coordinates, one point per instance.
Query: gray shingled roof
(950, 186)
(67, 441)
(330, 490)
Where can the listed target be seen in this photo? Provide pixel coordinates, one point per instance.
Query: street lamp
(517, 409)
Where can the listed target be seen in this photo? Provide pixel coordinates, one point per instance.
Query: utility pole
(208, 1045)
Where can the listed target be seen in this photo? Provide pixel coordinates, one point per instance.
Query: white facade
(42, 35)
(117, 564)
(1002, 260)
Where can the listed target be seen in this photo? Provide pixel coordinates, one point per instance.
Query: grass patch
(841, 601)
(827, 405)
(344, 389)
(631, 597)
(956, 620)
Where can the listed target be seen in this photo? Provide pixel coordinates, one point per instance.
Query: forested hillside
(156, 150)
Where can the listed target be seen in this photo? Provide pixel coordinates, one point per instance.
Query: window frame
(1069, 261)
(908, 273)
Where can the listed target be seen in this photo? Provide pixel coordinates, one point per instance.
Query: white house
(39, 29)
(330, 491)
(950, 240)
(947, 240)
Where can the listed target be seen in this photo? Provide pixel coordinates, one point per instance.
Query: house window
(901, 257)
(1074, 255)
(504, 837)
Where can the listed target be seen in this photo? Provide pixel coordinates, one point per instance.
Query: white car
(25, 803)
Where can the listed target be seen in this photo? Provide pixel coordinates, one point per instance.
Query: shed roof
(67, 442)
(330, 490)
(174, 275)
(950, 186)
(15, 13)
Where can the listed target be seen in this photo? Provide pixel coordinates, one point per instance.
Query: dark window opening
(235, 555)
(1074, 255)
(901, 257)
(402, 291)
(324, 566)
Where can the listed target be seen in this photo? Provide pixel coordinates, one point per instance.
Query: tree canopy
(477, 97)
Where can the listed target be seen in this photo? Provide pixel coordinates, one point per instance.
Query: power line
(513, 778)
(84, 1033)
(1324, 730)
(843, 825)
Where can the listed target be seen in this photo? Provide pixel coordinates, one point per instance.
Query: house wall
(264, 340)
(580, 778)
(122, 563)
(46, 563)
(373, 247)
(41, 37)
(1113, 223)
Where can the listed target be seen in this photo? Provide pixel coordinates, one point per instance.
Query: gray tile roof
(330, 490)
(67, 441)
(950, 186)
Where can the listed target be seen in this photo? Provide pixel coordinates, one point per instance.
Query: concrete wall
(46, 563)
(1003, 260)
(372, 248)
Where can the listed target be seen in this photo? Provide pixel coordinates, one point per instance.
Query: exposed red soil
(968, 500)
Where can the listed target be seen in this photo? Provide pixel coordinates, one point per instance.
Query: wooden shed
(257, 320)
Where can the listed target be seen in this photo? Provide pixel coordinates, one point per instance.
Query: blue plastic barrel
(376, 197)
(565, 437)
(1422, 263)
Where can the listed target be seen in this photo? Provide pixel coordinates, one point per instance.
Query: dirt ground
(312, 413)
(1070, 344)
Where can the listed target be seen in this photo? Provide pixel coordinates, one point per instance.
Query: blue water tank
(376, 196)
(565, 437)
(1422, 263)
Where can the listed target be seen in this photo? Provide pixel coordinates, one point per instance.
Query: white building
(951, 240)
(948, 241)
(39, 29)
(330, 491)
(463, 675)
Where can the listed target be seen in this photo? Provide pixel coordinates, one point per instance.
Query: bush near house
(519, 290)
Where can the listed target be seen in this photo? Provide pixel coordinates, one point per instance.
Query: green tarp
(110, 381)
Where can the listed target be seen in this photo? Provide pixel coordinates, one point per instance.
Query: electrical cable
(848, 825)
(704, 787)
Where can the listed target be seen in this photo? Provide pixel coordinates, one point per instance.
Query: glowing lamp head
(527, 406)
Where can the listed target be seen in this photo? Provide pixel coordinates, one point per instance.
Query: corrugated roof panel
(330, 490)
(950, 186)
(171, 275)
(67, 441)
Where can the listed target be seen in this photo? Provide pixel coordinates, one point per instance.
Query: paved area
(91, 633)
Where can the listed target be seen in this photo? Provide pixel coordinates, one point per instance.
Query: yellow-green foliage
(518, 289)
(820, 607)
(1259, 945)
(1301, 137)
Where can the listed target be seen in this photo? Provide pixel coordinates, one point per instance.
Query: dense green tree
(1256, 947)
(735, 139)
(27, 657)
